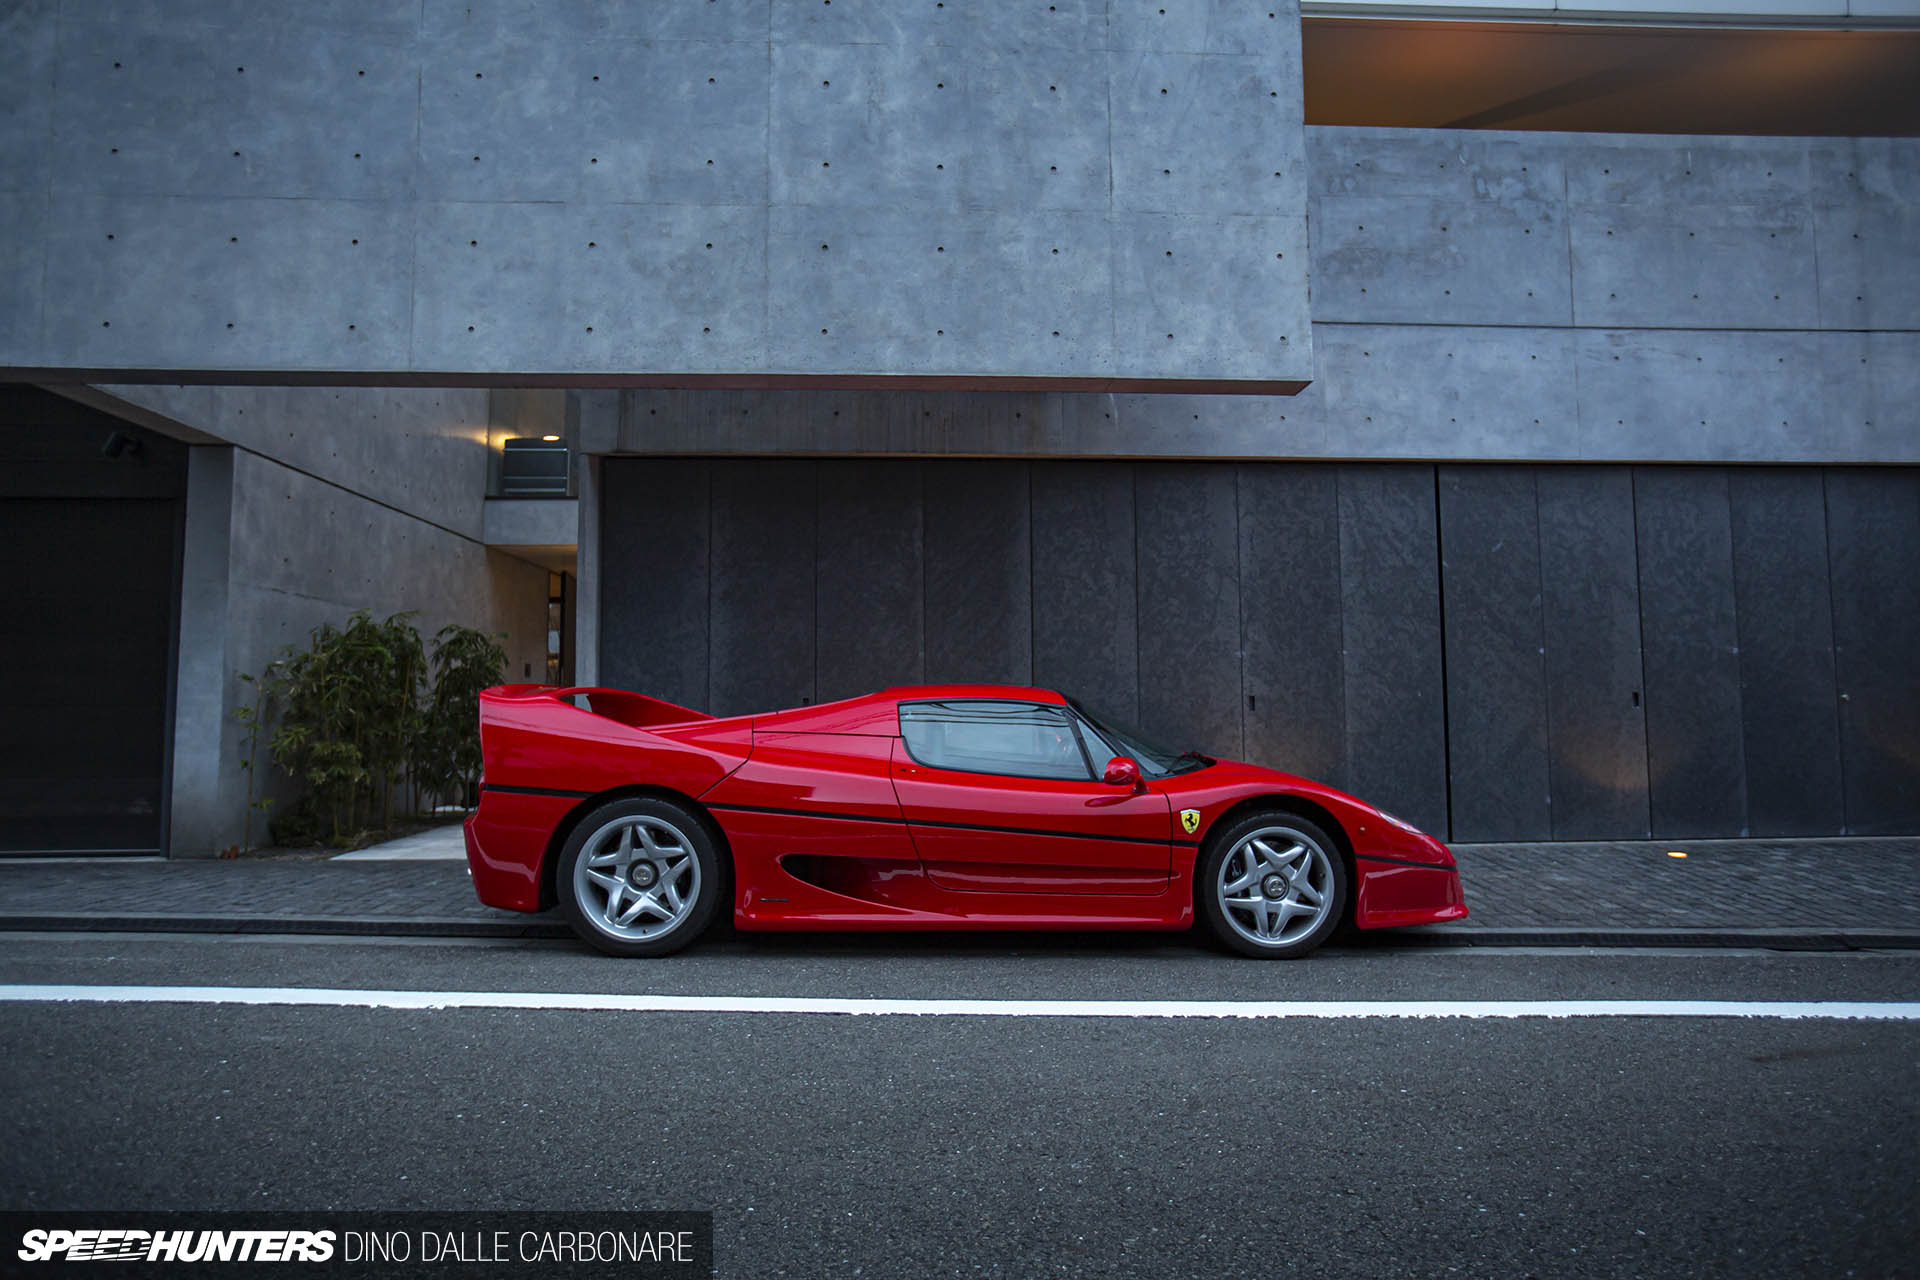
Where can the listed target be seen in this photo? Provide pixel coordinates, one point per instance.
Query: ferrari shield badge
(1190, 820)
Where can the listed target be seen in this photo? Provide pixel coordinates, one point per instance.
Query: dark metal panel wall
(1597, 745)
(1496, 667)
(763, 585)
(1467, 646)
(83, 761)
(1873, 526)
(979, 565)
(1189, 602)
(1390, 608)
(1294, 675)
(870, 586)
(1690, 640)
(1789, 705)
(1085, 633)
(655, 522)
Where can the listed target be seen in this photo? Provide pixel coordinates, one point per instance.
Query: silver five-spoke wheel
(637, 878)
(641, 877)
(1272, 884)
(1276, 886)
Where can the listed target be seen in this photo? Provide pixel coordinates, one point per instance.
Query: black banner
(643, 1246)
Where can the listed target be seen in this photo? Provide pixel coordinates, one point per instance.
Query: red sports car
(930, 807)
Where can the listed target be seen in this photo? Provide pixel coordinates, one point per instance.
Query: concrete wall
(302, 551)
(1481, 295)
(766, 189)
(1521, 652)
(419, 451)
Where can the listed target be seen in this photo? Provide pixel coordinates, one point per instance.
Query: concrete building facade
(1533, 484)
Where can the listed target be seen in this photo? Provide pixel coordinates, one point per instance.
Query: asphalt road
(943, 1145)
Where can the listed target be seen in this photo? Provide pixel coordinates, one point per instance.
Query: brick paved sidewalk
(1857, 883)
(1815, 891)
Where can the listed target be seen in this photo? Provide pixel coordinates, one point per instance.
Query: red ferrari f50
(931, 807)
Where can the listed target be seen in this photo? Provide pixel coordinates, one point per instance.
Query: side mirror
(1122, 772)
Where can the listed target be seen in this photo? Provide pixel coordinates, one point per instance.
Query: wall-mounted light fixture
(121, 444)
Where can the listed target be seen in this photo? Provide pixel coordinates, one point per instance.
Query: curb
(537, 928)
(358, 926)
(1762, 939)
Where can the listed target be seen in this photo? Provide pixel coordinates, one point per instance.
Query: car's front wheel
(1271, 885)
(640, 877)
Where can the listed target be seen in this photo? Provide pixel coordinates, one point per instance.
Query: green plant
(447, 760)
(253, 717)
(350, 712)
(359, 718)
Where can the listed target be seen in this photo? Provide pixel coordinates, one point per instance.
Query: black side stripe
(1402, 862)
(945, 826)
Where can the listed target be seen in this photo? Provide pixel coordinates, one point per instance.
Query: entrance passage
(90, 511)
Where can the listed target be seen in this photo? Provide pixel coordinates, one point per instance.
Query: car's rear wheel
(640, 877)
(1272, 885)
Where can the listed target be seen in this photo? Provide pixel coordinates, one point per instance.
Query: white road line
(615, 1003)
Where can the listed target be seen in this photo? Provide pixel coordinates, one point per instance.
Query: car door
(1000, 796)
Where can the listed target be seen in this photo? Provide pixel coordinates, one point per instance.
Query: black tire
(1286, 879)
(629, 850)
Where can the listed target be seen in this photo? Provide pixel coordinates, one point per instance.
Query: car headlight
(1401, 823)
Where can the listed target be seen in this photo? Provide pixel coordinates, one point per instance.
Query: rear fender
(532, 737)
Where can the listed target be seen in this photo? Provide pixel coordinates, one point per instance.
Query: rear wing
(581, 741)
(635, 710)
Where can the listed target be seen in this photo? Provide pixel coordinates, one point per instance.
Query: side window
(1023, 739)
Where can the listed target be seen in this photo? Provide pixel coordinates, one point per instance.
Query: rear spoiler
(635, 710)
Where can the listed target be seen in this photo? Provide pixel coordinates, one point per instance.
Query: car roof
(950, 692)
(874, 713)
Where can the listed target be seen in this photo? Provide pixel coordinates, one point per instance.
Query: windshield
(1154, 761)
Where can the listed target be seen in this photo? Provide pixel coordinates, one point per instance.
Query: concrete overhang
(544, 531)
(922, 197)
(61, 378)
